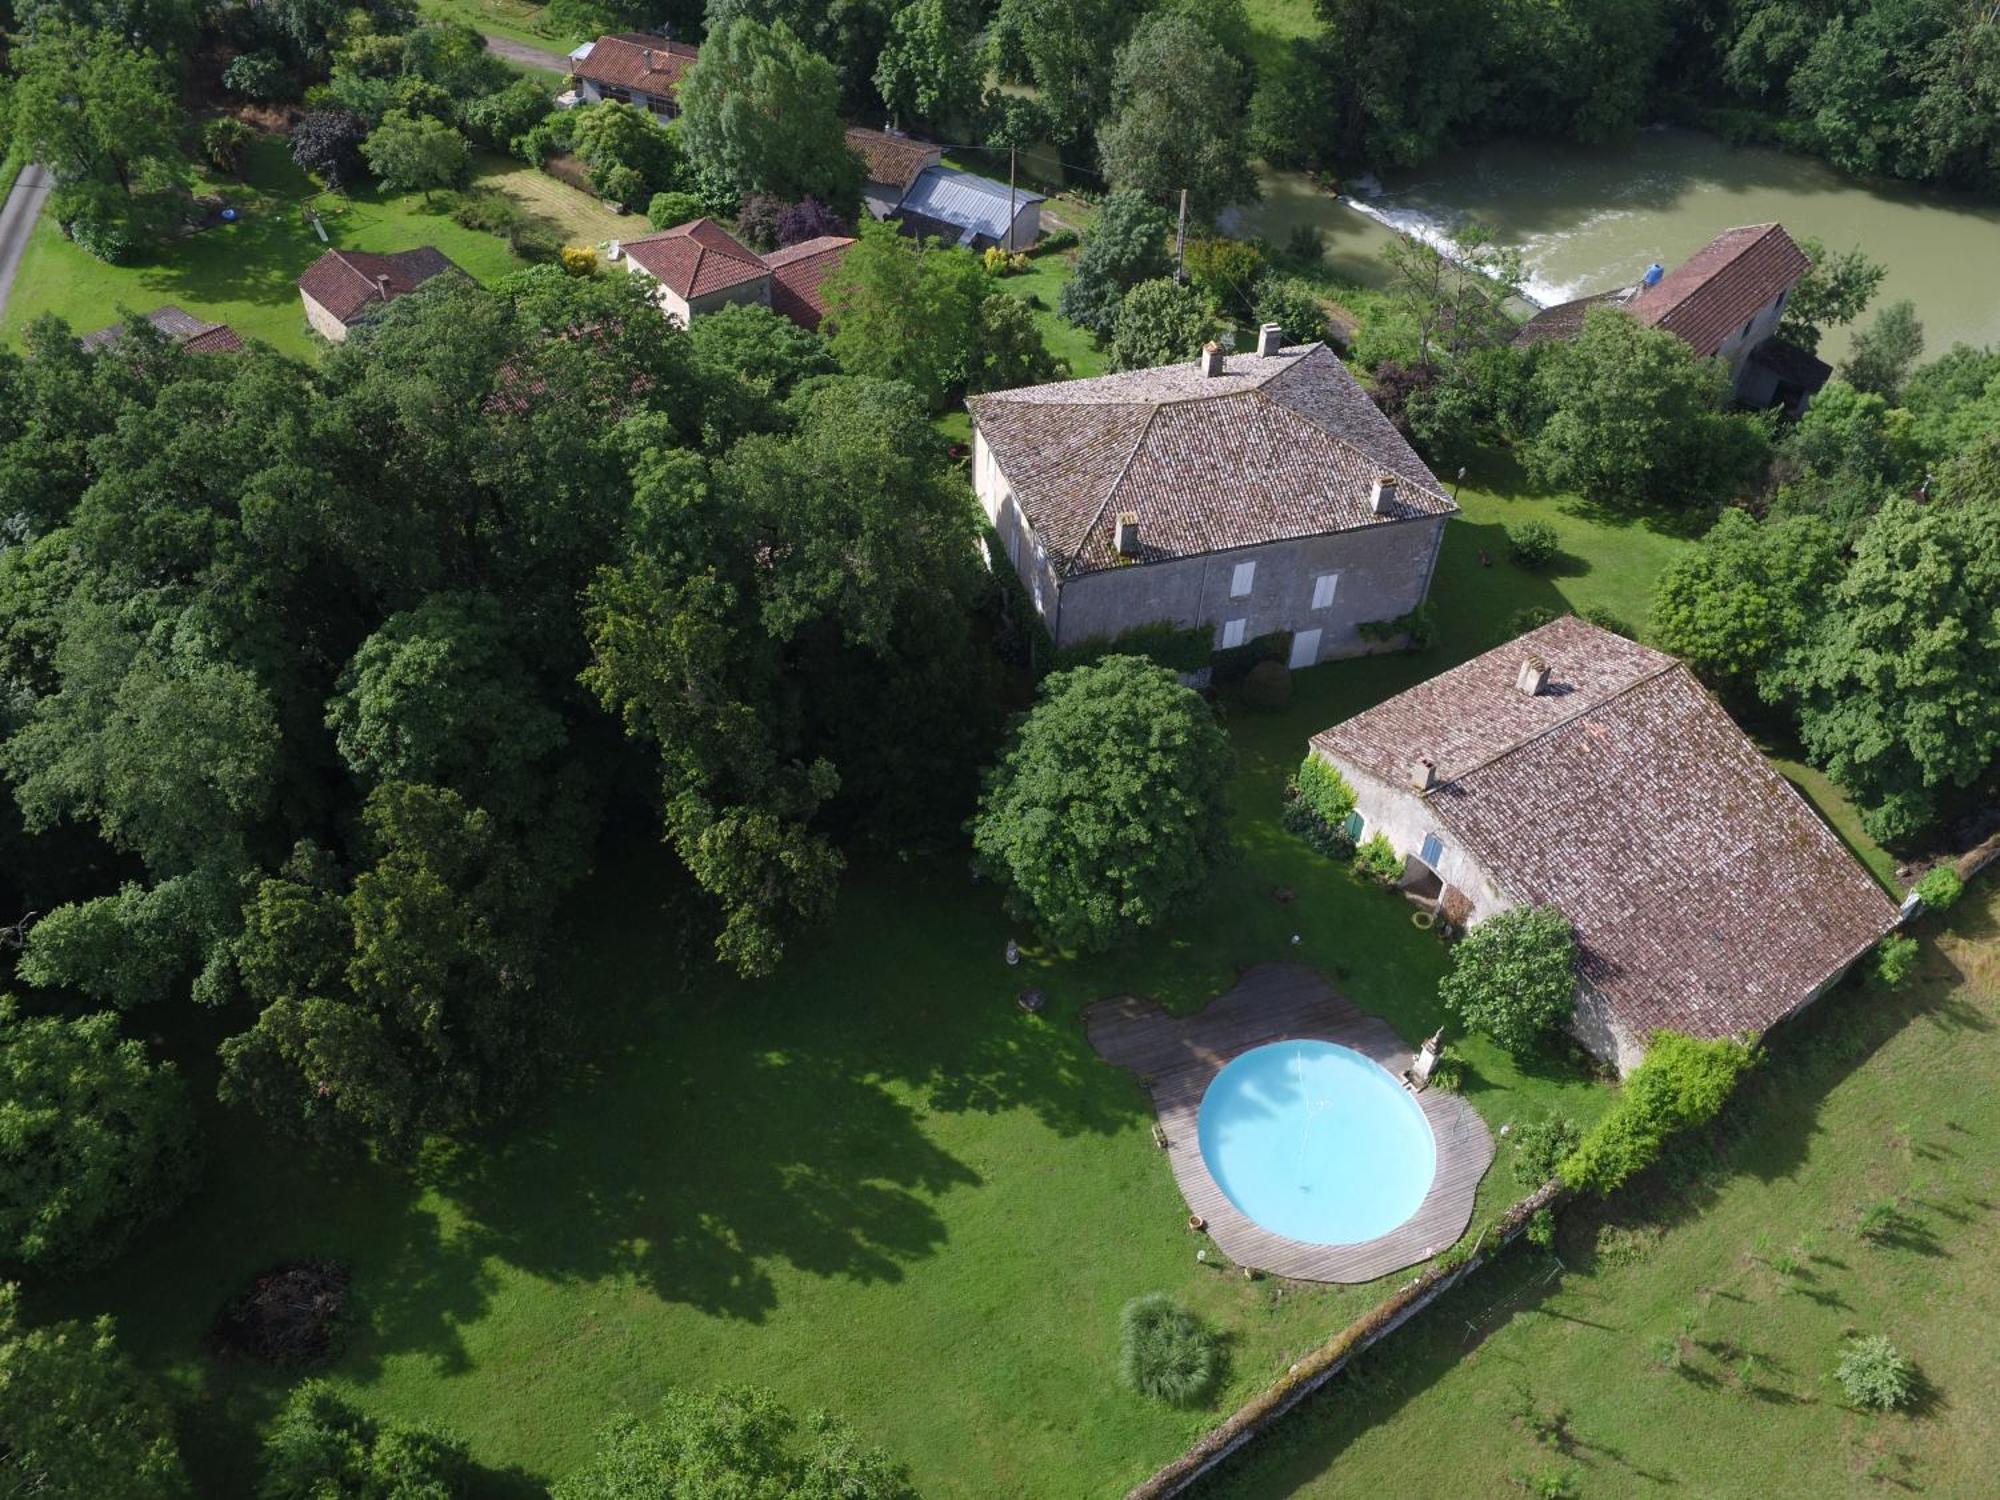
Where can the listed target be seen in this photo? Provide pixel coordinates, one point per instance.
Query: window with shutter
(1323, 589)
(1232, 633)
(1242, 579)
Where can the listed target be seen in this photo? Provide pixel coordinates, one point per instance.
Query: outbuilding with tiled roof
(1577, 769)
(699, 266)
(343, 287)
(797, 274)
(1244, 493)
(195, 335)
(891, 162)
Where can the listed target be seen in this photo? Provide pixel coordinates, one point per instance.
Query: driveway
(526, 56)
(17, 222)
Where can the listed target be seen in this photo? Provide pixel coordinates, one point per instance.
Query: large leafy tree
(1748, 594)
(319, 1447)
(1177, 117)
(1109, 810)
(1068, 50)
(1128, 246)
(75, 1414)
(761, 110)
(1513, 976)
(1884, 353)
(1161, 322)
(1635, 418)
(416, 153)
(740, 1442)
(1893, 688)
(899, 309)
(95, 1140)
(931, 70)
(850, 34)
(1835, 290)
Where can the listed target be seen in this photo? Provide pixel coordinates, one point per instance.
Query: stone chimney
(1423, 774)
(1211, 358)
(648, 52)
(614, 250)
(1125, 535)
(1533, 676)
(1384, 499)
(382, 286)
(1270, 338)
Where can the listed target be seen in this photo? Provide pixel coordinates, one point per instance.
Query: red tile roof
(796, 274)
(346, 282)
(893, 160)
(1707, 896)
(1715, 291)
(632, 60)
(696, 258)
(196, 335)
(1273, 447)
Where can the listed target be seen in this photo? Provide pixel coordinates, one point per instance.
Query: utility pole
(1007, 240)
(1180, 242)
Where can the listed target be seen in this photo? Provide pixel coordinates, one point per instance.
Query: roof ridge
(1548, 729)
(1111, 491)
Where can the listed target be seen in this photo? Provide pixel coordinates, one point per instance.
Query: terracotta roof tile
(1273, 447)
(1716, 290)
(892, 160)
(632, 60)
(797, 272)
(345, 282)
(196, 335)
(1707, 896)
(696, 258)
(1564, 320)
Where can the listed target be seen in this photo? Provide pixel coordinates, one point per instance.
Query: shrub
(1533, 545)
(1053, 244)
(1542, 1228)
(487, 209)
(619, 184)
(257, 75)
(1226, 270)
(1317, 803)
(1164, 1352)
(1540, 1146)
(505, 116)
(1377, 860)
(1330, 839)
(1894, 959)
(1417, 629)
(1514, 977)
(808, 219)
(327, 144)
(223, 141)
(1940, 888)
(1681, 1084)
(1181, 648)
(1875, 1376)
(757, 220)
(668, 209)
(1529, 617)
(320, 1446)
(1294, 306)
(1606, 619)
(579, 260)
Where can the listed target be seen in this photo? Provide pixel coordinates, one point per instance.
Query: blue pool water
(1315, 1142)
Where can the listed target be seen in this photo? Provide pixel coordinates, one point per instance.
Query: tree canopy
(1176, 117)
(762, 111)
(1109, 809)
(1513, 976)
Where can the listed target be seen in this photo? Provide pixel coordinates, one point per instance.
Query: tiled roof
(1273, 447)
(796, 274)
(696, 258)
(893, 160)
(1564, 320)
(345, 282)
(1714, 291)
(632, 60)
(975, 205)
(1707, 896)
(197, 335)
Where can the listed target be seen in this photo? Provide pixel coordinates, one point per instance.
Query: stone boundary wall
(1327, 1361)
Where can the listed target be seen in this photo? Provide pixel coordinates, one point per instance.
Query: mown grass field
(1690, 1346)
(243, 274)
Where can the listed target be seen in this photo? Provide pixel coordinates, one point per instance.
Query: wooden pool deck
(1177, 1056)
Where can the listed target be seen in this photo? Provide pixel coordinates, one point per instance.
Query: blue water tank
(1654, 272)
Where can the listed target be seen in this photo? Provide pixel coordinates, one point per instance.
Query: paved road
(526, 56)
(17, 222)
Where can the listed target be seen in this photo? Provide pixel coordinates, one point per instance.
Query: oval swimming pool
(1315, 1142)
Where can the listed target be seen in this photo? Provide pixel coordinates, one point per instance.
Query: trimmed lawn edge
(1277, 1400)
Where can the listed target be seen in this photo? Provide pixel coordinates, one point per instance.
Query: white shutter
(1232, 633)
(1323, 589)
(1241, 580)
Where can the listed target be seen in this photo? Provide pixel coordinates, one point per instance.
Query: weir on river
(1590, 218)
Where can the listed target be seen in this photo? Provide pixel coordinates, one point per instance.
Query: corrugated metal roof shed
(977, 205)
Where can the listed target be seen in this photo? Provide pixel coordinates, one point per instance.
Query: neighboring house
(891, 163)
(700, 266)
(1577, 769)
(196, 335)
(963, 208)
(1725, 302)
(1244, 493)
(343, 287)
(796, 274)
(631, 68)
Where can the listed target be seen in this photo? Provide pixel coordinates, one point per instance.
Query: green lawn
(1756, 1269)
(515, 19)
(243, 273)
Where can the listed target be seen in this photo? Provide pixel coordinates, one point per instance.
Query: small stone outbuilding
(344, 287)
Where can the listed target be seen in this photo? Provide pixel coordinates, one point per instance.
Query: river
(1587, 219)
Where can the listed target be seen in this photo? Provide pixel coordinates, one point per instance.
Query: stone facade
(324, 323)
(1380, 572)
